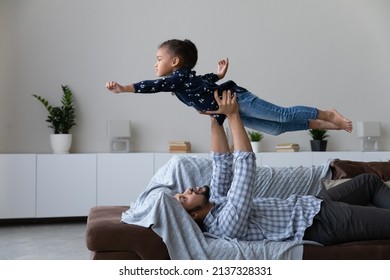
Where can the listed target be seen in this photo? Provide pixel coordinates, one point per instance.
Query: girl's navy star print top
(194, 91)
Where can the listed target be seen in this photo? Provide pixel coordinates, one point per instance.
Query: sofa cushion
(342, 169)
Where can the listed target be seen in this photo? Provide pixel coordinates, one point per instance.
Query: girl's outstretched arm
(117, 88)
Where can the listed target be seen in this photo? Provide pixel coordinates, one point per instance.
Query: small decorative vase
(255, 147)
(60, 143)
(318, 145)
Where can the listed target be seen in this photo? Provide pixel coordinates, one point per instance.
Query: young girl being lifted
(175, 61)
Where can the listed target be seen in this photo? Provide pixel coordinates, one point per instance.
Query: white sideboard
(17, 186)
(68, 185)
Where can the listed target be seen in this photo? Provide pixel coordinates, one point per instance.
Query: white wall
(329, 53)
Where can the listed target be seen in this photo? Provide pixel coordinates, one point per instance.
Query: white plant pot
(255, 147)
(60, 143)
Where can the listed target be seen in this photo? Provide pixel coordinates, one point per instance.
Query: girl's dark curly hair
(184, 49)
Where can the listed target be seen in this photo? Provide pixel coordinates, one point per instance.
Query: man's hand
(222, 68)
(227, 104)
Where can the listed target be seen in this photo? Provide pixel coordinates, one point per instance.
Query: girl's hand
(222, 68)
(114, 87)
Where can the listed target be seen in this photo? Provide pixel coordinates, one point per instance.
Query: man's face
(192, 198)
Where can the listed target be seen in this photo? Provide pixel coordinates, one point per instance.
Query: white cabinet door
(66, 184)
(122, 177)
(17, 186)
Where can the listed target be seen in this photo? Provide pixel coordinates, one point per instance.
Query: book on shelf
(179, 143)
(179, 147)
(287, 150)
(287, 147)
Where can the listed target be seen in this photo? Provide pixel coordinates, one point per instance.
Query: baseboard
(43, 220)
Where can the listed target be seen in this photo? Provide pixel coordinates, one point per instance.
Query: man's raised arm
(229, 107)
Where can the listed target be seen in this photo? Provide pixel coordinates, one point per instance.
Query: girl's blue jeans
(269, 118)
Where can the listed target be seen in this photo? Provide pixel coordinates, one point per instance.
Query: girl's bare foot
(336, 118)
(339, 120)
(320, 124)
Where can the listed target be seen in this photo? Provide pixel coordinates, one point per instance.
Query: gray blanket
(156, 208)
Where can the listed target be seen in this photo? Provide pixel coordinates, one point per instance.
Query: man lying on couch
(229, 209)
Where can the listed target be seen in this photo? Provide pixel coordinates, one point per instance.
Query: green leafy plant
(255, 136)
(61, 119)
(318, 134)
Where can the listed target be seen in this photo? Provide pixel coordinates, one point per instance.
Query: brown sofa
(109, 239)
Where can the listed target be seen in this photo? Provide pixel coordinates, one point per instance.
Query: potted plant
(318, 144)
(255, 137)
(61, 120)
